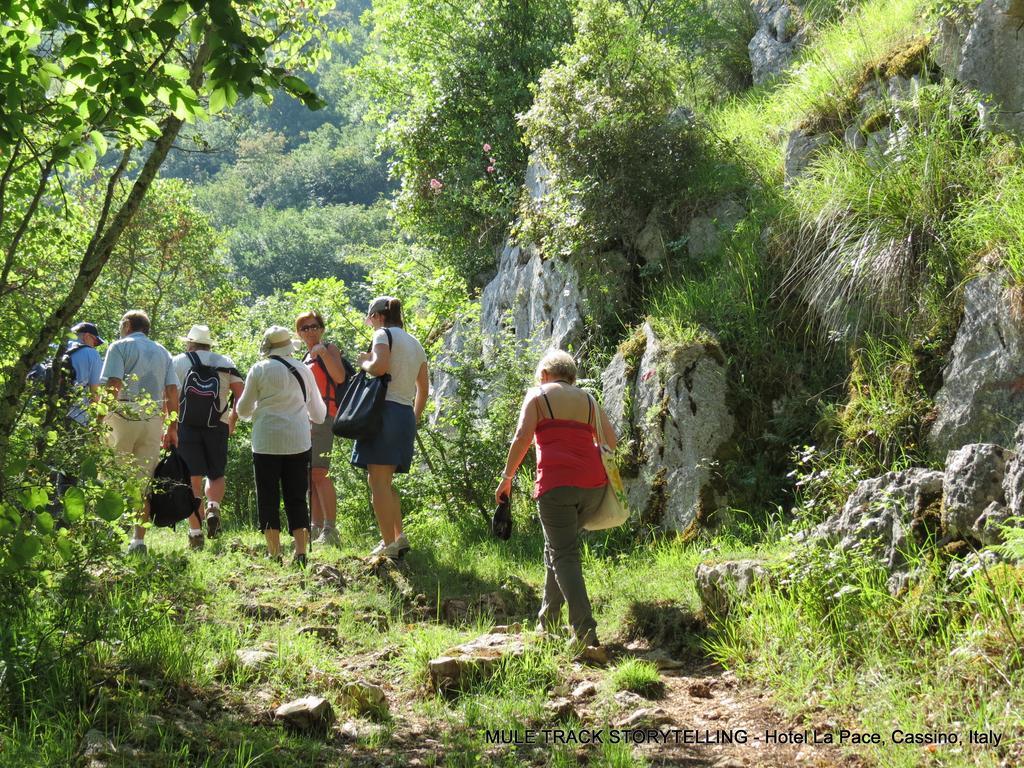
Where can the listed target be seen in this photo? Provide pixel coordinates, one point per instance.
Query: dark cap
(88, 328)
(379, 305)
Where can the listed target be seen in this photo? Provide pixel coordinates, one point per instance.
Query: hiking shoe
(328, 536)
(196, 542)
(378, 550)
(314, 532)
(299, 561)
(212, 520)
(137, 548)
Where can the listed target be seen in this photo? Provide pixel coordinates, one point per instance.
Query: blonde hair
(310, 315)
(558, 363)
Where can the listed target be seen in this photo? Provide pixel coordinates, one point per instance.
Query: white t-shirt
(407, 356)
(182, 365)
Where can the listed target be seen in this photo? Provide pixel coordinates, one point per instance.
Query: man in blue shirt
(87, 365)
(140, 374)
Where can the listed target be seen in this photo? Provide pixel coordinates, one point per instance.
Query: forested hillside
(783, 240)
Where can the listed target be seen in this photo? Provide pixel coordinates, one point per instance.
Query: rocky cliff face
(668, 403)
(977, 402)
(779, 35)
(985, 50)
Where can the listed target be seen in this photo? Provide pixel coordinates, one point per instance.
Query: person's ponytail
(393, 313)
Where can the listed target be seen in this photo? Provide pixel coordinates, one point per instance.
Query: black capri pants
(278, 476)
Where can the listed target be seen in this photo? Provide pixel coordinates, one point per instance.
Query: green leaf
(89, 470)
(65, 549)
(85, 158)
(35, 497)
(24, 548)
(44, 521)
(74, 504)
(295, 85)
(100, 141)
(16, 466)
(110, 506)
(196, 29)
(176, 71)
(218, 98)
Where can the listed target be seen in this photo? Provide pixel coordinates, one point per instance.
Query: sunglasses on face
(314, 327)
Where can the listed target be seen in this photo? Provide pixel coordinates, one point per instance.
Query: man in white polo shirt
(141, 376)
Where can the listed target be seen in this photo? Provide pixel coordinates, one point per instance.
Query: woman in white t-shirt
(395, 352)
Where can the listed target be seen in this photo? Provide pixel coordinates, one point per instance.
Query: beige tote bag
(613, 510)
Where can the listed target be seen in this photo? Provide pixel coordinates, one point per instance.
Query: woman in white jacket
(281, 398)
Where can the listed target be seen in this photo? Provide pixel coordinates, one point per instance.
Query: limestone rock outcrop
(973, 480)
(985, 50)
(779, 35)
(669, 402)
(976, 403)
(720, 585)
(885, 514)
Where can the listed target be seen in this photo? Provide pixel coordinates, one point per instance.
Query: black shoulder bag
(295, 373)
(361, 408)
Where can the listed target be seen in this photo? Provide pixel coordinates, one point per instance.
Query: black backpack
(41, 374)
(200, 394)
(171, 499)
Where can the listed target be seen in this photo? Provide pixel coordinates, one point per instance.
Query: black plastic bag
(501, 520)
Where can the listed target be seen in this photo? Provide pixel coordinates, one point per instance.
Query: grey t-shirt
(407, 356)
(144, 366)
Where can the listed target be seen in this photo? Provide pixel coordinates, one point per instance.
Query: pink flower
(487, 147)
(490, 169)
(436, 185)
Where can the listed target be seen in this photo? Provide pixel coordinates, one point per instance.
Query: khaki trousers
(138, 439)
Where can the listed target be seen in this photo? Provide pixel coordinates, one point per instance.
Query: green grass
(637, 676)
(819, 83)
(931, 660)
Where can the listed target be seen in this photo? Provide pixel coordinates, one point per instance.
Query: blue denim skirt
(393, 445)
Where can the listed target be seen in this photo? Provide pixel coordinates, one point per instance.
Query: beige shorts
(139, 439)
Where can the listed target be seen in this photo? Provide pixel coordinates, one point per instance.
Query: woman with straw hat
(281, 398)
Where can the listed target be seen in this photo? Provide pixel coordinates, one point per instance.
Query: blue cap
(88, 328)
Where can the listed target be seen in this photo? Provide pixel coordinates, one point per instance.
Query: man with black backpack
(209, 384)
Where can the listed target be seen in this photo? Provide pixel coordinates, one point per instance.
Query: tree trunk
(93, 260)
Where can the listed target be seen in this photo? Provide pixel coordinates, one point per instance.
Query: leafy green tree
(447, 79)
(77, 77)
(171, 262)
(607, 126)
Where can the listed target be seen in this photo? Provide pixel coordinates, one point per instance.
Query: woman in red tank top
(571, 482)
(328, 367)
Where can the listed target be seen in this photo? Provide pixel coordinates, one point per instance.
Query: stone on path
(326, 634)
(645, 717)
(720, 585)
(311, 713)
(473, 660)
(261, 611)
(364, 698)
(95, 743)
(253, 658)
(584, 690)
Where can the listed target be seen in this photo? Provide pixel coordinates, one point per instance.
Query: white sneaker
(394, 550)
(137, 547)
(328, 536)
